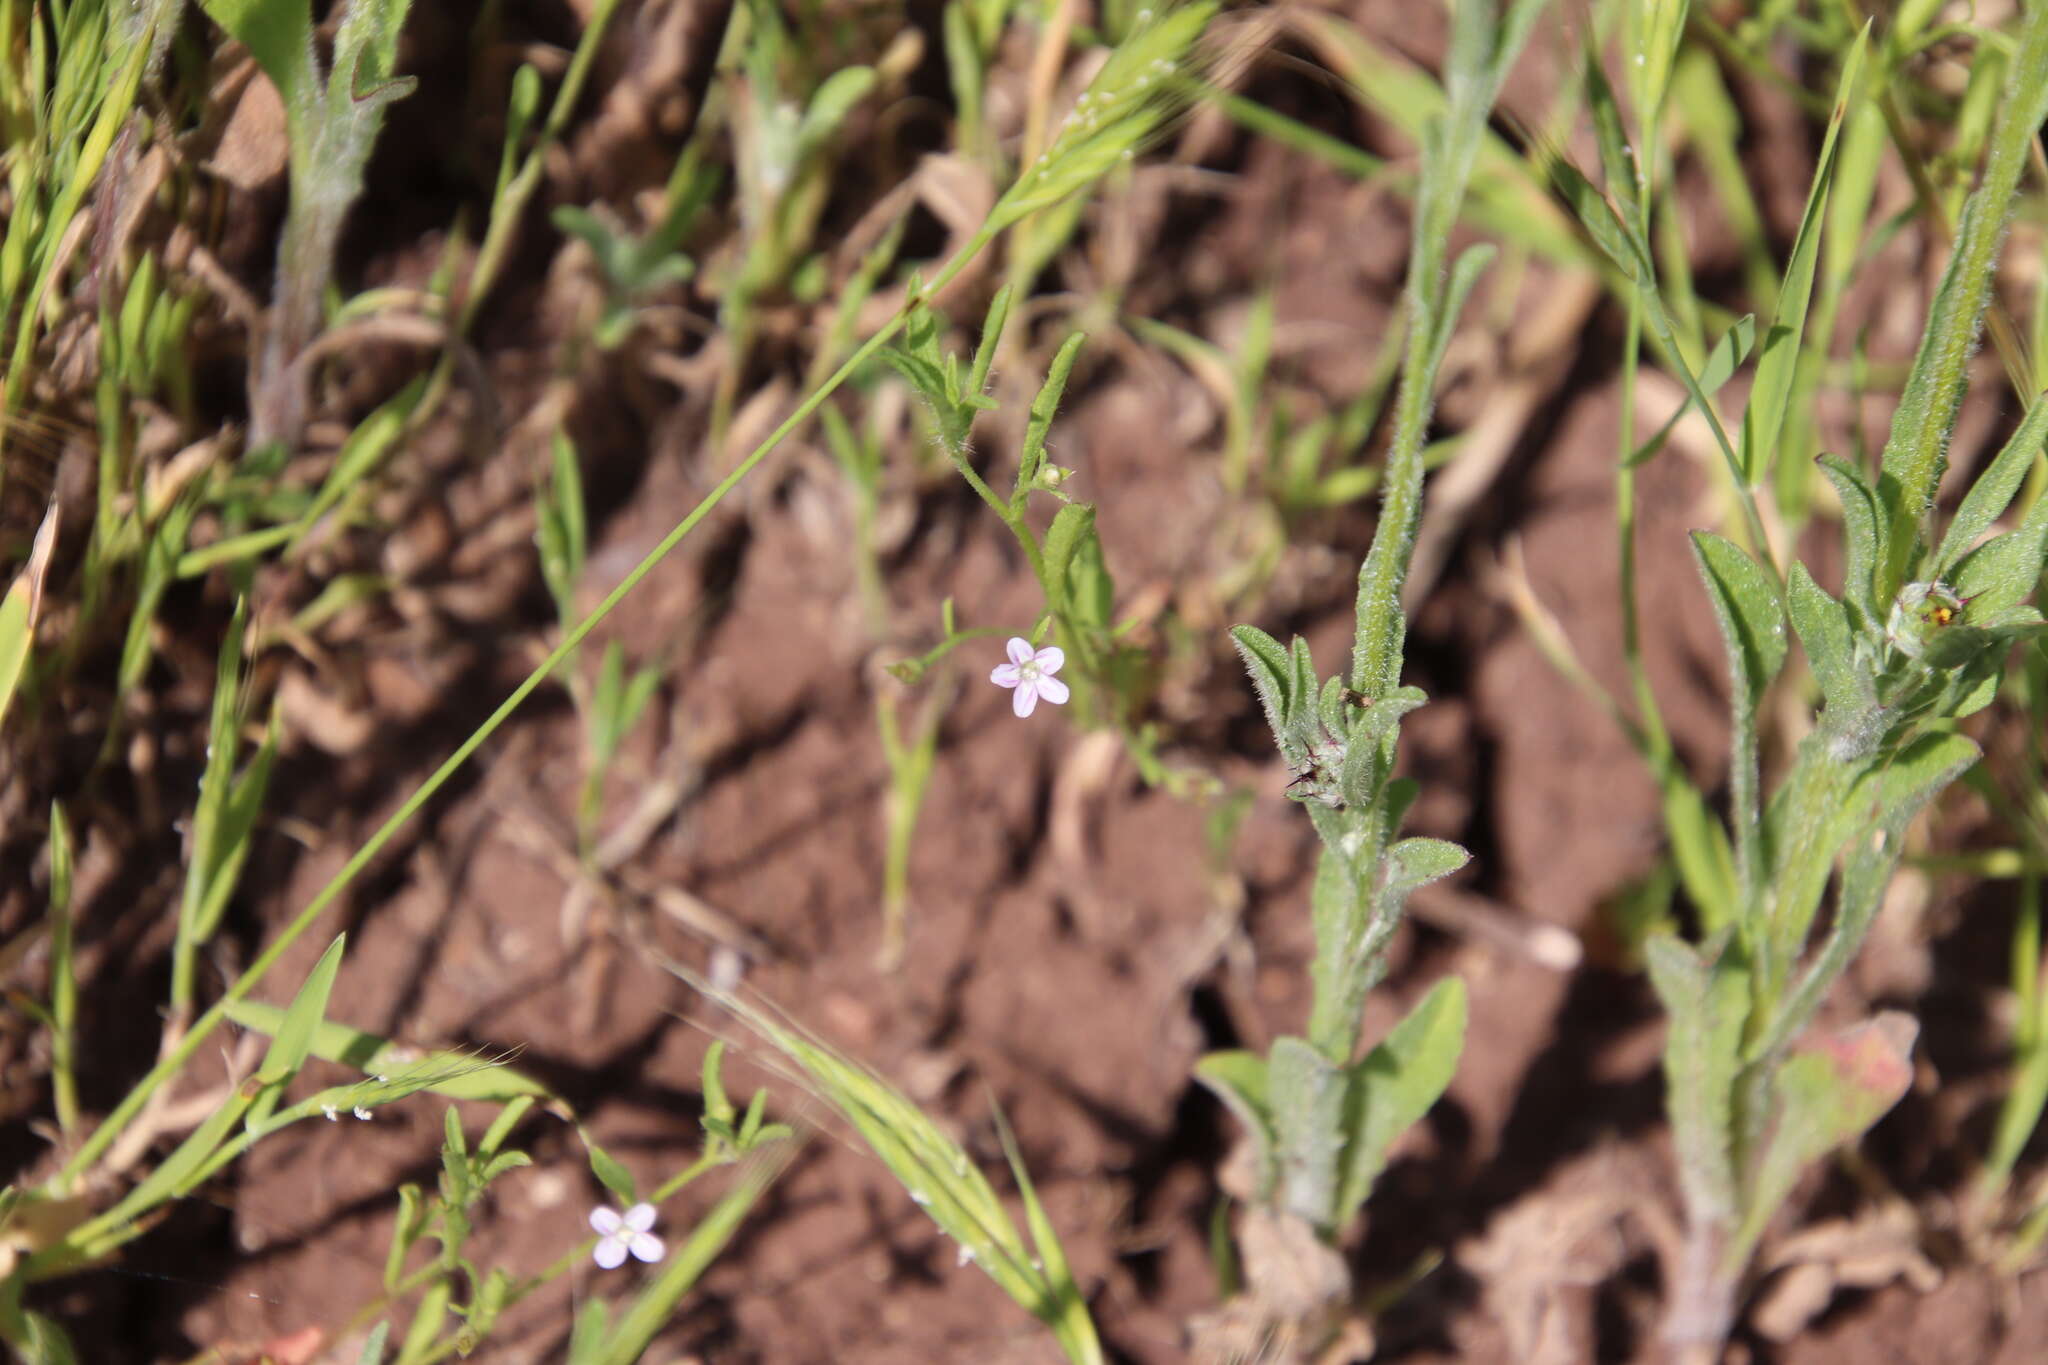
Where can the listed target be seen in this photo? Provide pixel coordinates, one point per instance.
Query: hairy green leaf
(1705, 995)
(1396, 1083)
(1043, 409)
(1863, 531)
(1826, 1095)
(1917, 450)
(1750, 612)
(1830, 644)
(610, 1172)
(279, 34)
(1993, 490)
(1752, 619)
(1418, 862)
(1308, 1092)
(1072, 527)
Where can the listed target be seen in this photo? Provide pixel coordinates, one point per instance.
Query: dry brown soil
(1072, 949)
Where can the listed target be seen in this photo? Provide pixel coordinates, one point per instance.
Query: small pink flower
(1031, 673)
(619, 1233)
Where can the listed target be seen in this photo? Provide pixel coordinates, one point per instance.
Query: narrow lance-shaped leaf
(1340, 906)
(1127, 104)
(587, 1335)
(407, 1226)
(501, 1127)
(455, 1074)
(1480, 53)
(1270, 669)
(293, 1041)
(234, 830)
(1617, 158)
(523, 104)
(1073, 525)
(1751, 615)
(1415, 863)
(1825, 1096)
(834, 100)
(992, 324)
(2025, 1102)
(1398, 1082)
(655, 1307)
(1043, 409)
(1302, 689)
(1614, 235)
(1650, 46)
(279, 34)
(1091, 592)
(63, 975)
(1382, 623)
(1623, 245)
(176, 1170)
(1752, 620)
(1308, 1093)
(1074, 1328)
(210, 844)
(1763, 421)
(565, 524)
(1917, 450)
(1704, 998)
(20, 607)
(1993, 490)
(1863, 531)
(610, 1172)
(934, 1170)
(2002, 573)
(1823, 802)
(1905, 788)
(427, 1321)
(41, 1340)
(1830, 645)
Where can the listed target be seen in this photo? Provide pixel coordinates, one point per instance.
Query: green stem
(1916, 457)
(1656, 740)
(1002, 509)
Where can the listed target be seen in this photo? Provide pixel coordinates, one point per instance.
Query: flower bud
(1919, 613)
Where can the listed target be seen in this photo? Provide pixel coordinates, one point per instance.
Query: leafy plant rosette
(1321, 1118)
(1916, 641)
(1753, 1103)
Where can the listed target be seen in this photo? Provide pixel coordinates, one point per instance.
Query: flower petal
(648, 1247)
(1019, 650)
(605, 1220)
(610, 1253)
(1025, 697)
(1005, 675)
(1053, 690)
(640, 1217)
(1052, 659)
